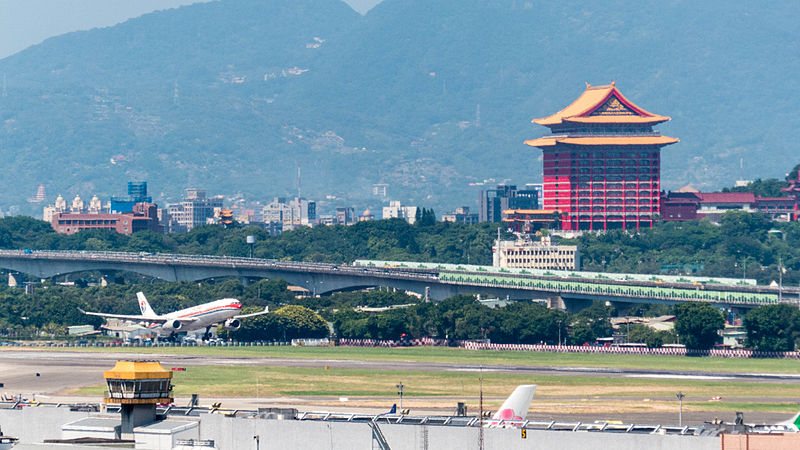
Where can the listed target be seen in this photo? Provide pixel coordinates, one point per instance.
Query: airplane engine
(232, 324)
(172, 325)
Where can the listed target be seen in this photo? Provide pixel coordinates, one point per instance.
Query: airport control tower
(138, 386)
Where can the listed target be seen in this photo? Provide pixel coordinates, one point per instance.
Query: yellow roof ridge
(593, 98)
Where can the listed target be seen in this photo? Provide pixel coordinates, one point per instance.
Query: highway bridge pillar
(556, 303)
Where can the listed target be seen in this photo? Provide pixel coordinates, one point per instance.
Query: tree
(772, 328)
(793, 173)
(591, 323)
(581, 333)
(649, 336)
(266, 327)
(698, 325)
(301, 322)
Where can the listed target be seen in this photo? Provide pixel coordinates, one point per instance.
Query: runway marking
(679, 377)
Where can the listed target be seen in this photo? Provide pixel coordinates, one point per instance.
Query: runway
(49, 376)
(60, 370)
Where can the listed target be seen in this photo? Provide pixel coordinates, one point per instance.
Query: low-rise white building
(524, 253)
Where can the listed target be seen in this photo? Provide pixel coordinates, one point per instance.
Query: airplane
(207, 315)
(792, 424)
(514, 409)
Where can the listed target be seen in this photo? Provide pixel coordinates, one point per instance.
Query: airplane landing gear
(207, 334)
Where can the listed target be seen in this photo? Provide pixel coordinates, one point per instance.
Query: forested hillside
(425, 96)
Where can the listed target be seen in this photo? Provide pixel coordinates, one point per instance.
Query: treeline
(381, 239)
(743, 244)
(51, 308)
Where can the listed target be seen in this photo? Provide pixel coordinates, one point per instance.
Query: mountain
(424, 96)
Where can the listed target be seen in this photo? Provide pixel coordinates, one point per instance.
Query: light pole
(680, 396)
(744, 269)
(559, 333)
(780, 280)
(400, 393)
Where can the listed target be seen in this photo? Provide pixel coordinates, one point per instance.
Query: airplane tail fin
(793, 423)
(393, 410)
(517, 404)
(144, 306)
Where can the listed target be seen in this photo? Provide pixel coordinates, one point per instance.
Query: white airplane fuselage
(198, 317)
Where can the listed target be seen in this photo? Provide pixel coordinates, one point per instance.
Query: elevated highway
(437, 281)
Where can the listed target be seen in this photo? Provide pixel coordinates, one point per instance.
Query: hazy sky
(27, 22)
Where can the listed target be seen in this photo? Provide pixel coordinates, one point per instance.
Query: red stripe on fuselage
(232, 305)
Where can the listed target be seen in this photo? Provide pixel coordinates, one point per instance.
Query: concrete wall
(33, 425)
(238, 434)
(407, 437)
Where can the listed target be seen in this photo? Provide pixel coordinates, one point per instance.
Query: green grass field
(440, 388)
(477, 357)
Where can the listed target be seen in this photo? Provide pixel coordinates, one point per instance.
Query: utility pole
(780, 280)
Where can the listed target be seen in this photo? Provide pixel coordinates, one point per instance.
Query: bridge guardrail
(746, 295)
(671, 294)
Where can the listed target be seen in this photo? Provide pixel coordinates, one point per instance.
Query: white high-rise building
(193, 211)
(396, 210)
(291, 214)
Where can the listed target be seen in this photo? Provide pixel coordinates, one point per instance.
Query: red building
(143, 217)
(602, 166)
(682, 206)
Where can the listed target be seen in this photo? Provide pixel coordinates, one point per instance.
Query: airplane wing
(136, 318)
(242, 316)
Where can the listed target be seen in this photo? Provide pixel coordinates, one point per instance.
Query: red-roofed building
(714, 204)
(681, 206)
(794, 186)
(143, 217)
(778, 208)
(602, 162)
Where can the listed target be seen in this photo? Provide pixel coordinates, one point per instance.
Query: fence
(392, 343)
(671, 351)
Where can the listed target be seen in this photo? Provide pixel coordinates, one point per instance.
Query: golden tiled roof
(595, 97)
(137, 370)
(602, 140)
